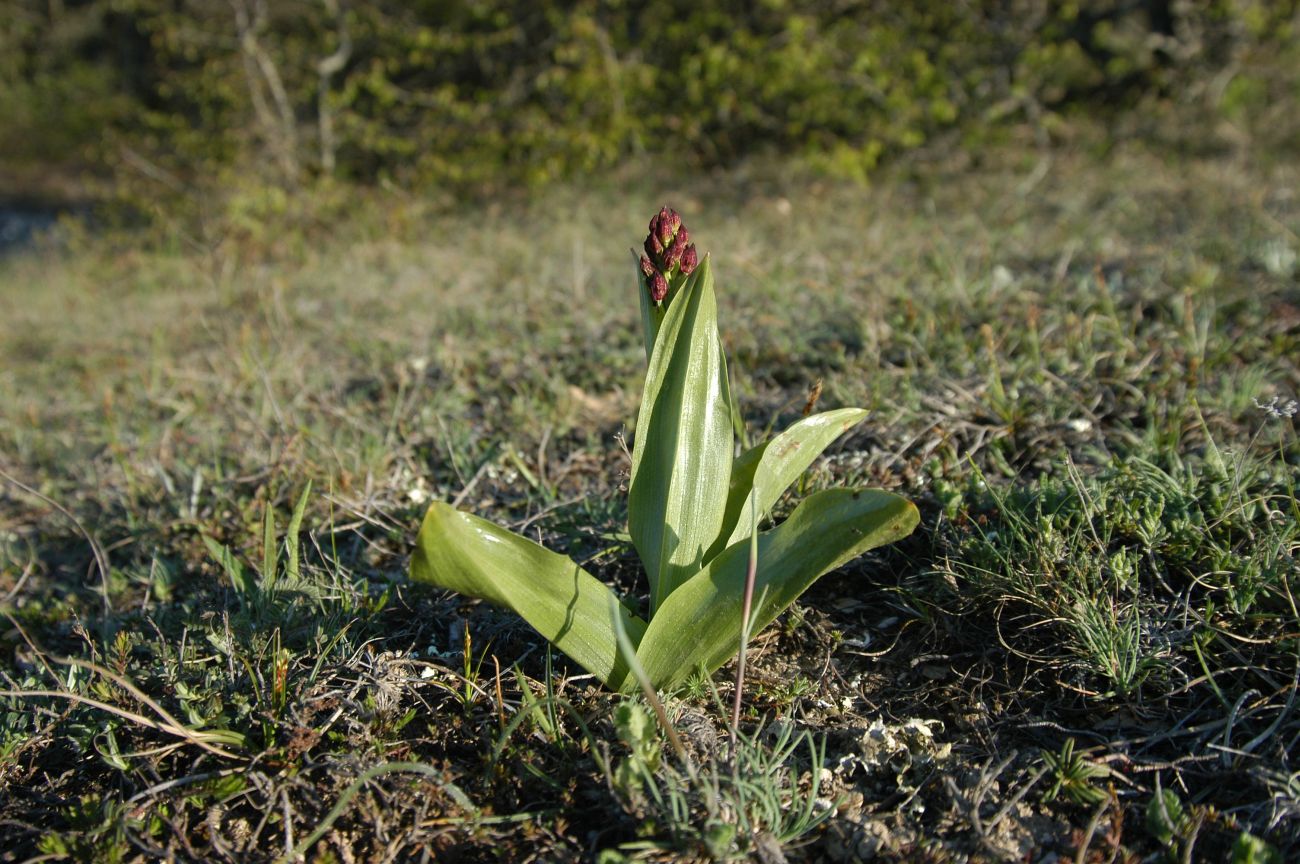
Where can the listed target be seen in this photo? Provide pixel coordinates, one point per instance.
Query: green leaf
(681, 459)
(769, 468)
(234, 571)
(562, 601)
(1165, 816)
(292, 570)
(699, 625)
(1249, 849)
(269, 558)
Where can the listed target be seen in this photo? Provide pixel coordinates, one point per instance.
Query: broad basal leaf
(769, 469)
(699, 625)
(562, 601)
(681, 460)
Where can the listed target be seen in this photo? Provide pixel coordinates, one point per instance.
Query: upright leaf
(269, 557)
(681, 460)
(558, 598)
(700, 623)
(292, 569)
(769, 468)
(242, 583)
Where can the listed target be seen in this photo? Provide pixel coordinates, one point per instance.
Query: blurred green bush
(463, 95)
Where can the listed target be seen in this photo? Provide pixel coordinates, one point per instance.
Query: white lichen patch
(896, 748)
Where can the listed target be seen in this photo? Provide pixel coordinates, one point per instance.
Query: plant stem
(750, 576)
(638, 672)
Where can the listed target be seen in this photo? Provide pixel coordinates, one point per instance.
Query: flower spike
(669, 254)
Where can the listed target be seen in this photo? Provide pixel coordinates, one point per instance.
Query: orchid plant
(693, 508)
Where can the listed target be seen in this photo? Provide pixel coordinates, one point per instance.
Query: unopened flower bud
(658, 287)
(669, 222)
(690, 260)
(674, 253)
(653, 247)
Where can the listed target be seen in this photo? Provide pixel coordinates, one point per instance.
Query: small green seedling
(692, 505)
(1073, 776)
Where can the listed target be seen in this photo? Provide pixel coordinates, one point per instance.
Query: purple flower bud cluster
(668, 246)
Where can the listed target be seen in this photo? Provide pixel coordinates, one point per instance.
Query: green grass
(1063, 368)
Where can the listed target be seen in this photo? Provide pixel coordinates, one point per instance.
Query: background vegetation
(465, 96)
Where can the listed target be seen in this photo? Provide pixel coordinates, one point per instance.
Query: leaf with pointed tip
(769, 468)
(269, 558)
(681, 459)
(292, 569)
(699, 625)
(243, 584)
(563, 602)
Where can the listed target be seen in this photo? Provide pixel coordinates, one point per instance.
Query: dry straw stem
(101, 560)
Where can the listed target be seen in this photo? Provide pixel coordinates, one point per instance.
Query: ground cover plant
(1079, 363)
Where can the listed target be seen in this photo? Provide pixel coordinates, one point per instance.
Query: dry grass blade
(295, 851)
(101, 560)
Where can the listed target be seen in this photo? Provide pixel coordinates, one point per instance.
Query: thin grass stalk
(750, 575)
(638, 671)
